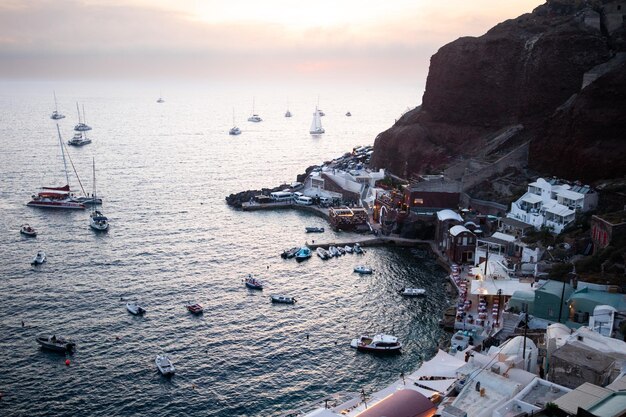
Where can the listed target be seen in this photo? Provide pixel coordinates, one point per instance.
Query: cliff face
(520, 71)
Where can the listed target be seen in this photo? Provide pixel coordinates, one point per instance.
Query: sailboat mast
(94, 179)
(67, 177)
(55, 101)
(84, 118)
(78, 110)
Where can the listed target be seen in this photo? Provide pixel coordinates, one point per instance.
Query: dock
(254, 206)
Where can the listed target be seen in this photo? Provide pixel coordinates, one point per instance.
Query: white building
(553, 204)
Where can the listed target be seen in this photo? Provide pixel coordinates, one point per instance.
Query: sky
(231, 39)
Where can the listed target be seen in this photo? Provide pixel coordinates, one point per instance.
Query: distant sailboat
(55, 114)
(81, 126)
(97, 220)
(255, 117)
(316, 124)
(160, 100)
(288, 113)
(234, 130)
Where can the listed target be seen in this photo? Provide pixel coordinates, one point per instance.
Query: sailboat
(57, 197)
(288, 113)
(316, 124)
(97, 220)
(234, 130)
(160, 100)
(55, 114)
(81, 126)
(255, 117)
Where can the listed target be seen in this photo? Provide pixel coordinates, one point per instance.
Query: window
(465, 241)
(418, 201)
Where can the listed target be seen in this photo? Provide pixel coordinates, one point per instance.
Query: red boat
(194, 308)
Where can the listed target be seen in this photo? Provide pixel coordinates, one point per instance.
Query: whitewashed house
(553, 204)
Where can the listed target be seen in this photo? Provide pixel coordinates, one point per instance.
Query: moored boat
(322, 253)
(289, 253)
(79, 139)
(39, 258)
(27, 230)
(56, 344)
(164, 365)
(412, 292)
(303, 254)
(135, 309)
(253, 283)
(282, 299)
(381, 343)
(348, 114)
(194, 308)
(332, 250)
(357, 249)
(314, 229)
(362, 269)
(348, 249)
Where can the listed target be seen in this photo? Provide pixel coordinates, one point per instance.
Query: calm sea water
(164, 170)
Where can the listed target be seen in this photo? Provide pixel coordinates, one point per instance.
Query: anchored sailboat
(57, 197)
(81, 126)
(55, 114)
(255, 117)
(97, 220)
(316, 124)
(234, 130)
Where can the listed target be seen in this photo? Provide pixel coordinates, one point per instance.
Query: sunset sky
(236, 38)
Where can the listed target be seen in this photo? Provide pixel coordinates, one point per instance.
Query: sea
(163, 171)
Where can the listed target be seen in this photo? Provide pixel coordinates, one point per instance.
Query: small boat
(234, 131)
(39, 258)
(56, 344)
(381, 343)
(314, 229)
(253, 283)
(81, 126)
(316, 124)
(289, 253)
(412, 292)
(195, 308)
(27, 230)
(357, 249)
(321, 112)
(348, 114)
(303, 254)
(135, 309)
(348, 249)
(79, 139)
(55, 114)
(165, 365)
(282, 299)
(361, 269)
(322, 253)
(98, 221)
(332, 250)
(341, 250)
(255, 117)
(288, 113)
(160, 100)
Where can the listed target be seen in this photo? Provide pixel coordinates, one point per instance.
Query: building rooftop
(455, 230)
(583, 397)
(448, 214)
(583, 356)
(613, 405)
(515, 223)
(614, 218)
(602, 297)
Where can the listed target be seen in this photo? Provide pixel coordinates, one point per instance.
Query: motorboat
(357, 249)
(314, 229)
(381, 343)
(282, 299)
(164, 365)
(412, 292)
(348, 114)
(288, 113)
(253, 283)
(79, 139)
(303, 254)
(332, 250)
(27, 230)
(362, 269)
(98, 221)
(322, 253)
(195, 308)
(348, 249)
(135, 309)
(234, 131)
(56, 344)
(39, 258)
(289, 253)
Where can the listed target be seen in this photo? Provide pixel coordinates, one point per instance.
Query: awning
(442, 365)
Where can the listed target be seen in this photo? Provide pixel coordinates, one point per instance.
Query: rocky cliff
(520, 72)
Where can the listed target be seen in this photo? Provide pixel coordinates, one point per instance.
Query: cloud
(73, 37)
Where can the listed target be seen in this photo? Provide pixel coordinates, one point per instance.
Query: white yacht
(79, 139)
(361, 269)
(234, 130)
(97, 220)
(135, 309)
(255, 117)
(39, 258)
(412, 292)
(81, 126)
(165, 365)
(381, 343)
(55, 114)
